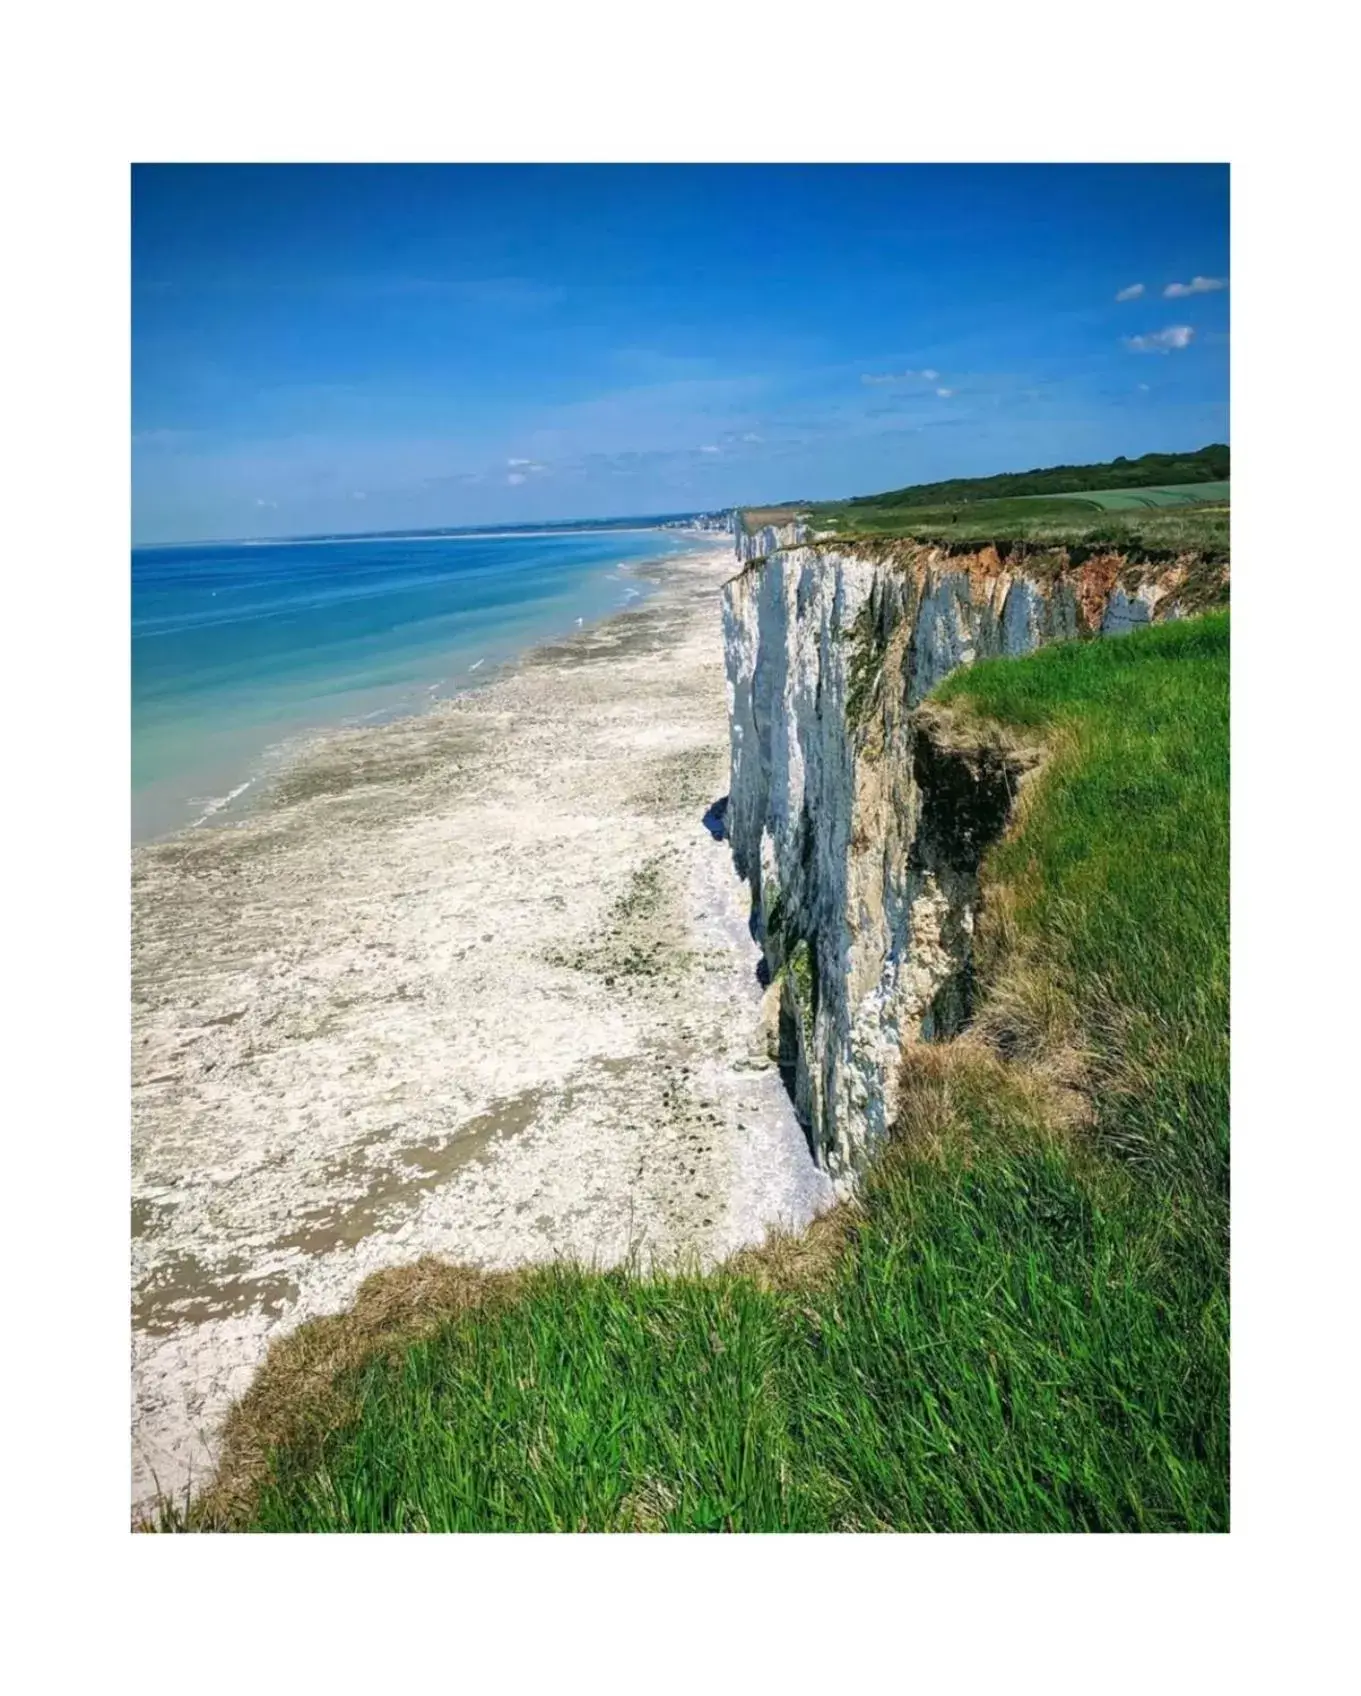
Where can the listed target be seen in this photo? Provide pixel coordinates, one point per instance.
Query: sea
(242, 651)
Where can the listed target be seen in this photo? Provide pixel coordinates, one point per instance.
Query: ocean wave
(220, 801)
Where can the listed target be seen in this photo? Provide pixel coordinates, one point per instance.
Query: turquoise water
(238, 647)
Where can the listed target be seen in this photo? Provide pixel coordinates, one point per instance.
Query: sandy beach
(476, 983)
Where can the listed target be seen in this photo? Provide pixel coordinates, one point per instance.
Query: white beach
(476, 983)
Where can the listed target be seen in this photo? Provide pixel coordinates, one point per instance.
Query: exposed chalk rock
(859, 816)
(756, 544)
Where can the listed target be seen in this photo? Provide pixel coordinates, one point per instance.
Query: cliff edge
(858, 812)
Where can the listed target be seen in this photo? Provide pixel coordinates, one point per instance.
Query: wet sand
(476, 984)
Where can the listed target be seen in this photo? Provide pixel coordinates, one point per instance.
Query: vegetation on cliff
(1046, 521)
(1205, 465)
(1022, 1325)
(1158, 502)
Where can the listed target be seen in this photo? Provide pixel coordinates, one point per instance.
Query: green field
(1024, 1327)
(1158, 503)
(1125, 500)
(1131, 521)
(1151, 470)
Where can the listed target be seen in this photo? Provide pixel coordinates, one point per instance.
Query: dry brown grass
(646, 1509)
(946, 1090)
(789, 1261)
(1025, 1015)
(757, 517)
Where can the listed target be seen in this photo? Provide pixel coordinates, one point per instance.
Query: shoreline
(474, 982)
(274, 745)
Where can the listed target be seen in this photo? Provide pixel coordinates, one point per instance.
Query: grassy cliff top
(1182, 526)
(1150, 470)
(1022, 1327)
(1157, 503)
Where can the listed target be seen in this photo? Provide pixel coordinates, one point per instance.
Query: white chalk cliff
(857, 814)
(756, 544)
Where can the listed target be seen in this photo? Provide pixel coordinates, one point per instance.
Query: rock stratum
(859, 812)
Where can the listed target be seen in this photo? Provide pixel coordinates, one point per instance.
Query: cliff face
(859, 815)
(756, 544)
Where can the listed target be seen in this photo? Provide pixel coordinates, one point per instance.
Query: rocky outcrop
(859, 814)
(768, 538)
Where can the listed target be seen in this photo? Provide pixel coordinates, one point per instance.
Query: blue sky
(353, 347)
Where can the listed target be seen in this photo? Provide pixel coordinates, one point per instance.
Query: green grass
(1027, 1326)
(1124, 871)
(1128, 526)
(1119, 503)
(1170, 494)
(1151, 470)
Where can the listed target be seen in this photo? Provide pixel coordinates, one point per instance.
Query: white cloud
(517, 462)
(358, 495)
(709, 447)
(1142, 388)
(924, 376)
(751, 436)
(1131, 293)
(1161, 341)
(1197, 285)
(516, 477)
(945, 393)
(260, 502)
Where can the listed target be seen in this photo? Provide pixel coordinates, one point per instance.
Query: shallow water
(238, 648)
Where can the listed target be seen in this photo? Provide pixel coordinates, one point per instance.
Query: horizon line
(550, 526)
